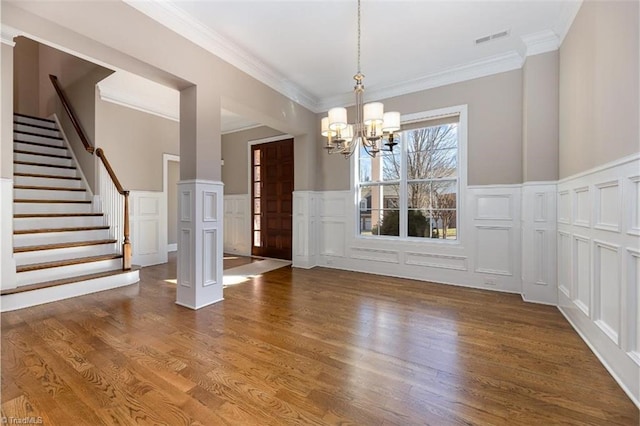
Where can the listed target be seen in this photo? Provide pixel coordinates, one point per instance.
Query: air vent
(491, 37)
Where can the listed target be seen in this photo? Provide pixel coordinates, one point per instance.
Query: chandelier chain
(359, 37)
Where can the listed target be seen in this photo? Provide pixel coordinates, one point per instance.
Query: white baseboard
(172, 247)
(12, 302)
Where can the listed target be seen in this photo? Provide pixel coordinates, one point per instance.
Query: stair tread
(22, 132)
(69, 229)
(35, 125)
(41, 144)
(42, 154)
(32, 163)
(46, 284)
(39, 175)
(66, 262)
(34, 117)
(24, 200)
(49, 188)
(63, 245)
(32, 215)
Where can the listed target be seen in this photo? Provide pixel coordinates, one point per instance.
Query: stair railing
(115, 199)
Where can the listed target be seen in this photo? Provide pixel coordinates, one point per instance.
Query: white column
(200, 243)
(304, 254)
(7, 262)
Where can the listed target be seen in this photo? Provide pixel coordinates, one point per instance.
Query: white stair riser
(50, 274)
(41, 149)
(20, 224)
(46, 194)
(21, 240)
(23, 208)
(38, 130)
(43, 170)
(34, 158)
(35, 138)
(36, 181)
(11, 302)
(28, 120)
(39, 256)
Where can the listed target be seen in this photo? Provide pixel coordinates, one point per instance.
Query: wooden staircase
(62, 247)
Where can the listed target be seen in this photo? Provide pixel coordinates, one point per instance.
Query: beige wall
(134, 142)
(235, 152)
(81, 95)
(69, 69)
(494, 128)
(540, 117)
(173, 176)
(26, 65)
(6, 99)
(599, 86)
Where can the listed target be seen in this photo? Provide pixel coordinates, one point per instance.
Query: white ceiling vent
(495, 36)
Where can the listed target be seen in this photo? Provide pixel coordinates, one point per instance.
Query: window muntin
(412, 192)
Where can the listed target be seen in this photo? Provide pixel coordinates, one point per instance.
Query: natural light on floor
(227, 280)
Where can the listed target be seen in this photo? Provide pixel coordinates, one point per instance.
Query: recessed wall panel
(494, 253)
(209, 257)
(564, 263)
(607, 286)
(581, 273)
(494, 207)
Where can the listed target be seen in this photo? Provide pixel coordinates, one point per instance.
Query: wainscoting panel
(539, 246)
(305, 229)
(148, 228)
(602, 304)
(7, 261)
(237, 224)
(487, 255)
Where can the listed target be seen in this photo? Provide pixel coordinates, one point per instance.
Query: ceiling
(307, 49)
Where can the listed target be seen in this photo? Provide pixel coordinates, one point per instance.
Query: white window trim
(461, 207)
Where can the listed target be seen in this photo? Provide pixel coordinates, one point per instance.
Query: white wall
(599, 264)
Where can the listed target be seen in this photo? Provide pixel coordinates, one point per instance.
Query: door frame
(250, 145)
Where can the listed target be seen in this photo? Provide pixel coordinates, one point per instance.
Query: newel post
(126, 245)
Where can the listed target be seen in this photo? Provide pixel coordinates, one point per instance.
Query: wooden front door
(272, 195)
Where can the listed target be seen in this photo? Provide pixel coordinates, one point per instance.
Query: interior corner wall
(235, 153)
(540, 117)
(82, 95)
(134, 142)
(599, 86)
(26, 94)
(495, 128)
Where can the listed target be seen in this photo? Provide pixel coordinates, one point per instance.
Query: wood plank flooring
(297, 346)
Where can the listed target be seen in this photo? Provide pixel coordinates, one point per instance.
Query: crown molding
(179, 21)
(7, 34)
(138, 103)
(541, 42)
(482, 68)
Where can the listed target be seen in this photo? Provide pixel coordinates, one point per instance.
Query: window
(413, 192)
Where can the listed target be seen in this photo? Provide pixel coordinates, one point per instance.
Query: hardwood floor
(297, 346)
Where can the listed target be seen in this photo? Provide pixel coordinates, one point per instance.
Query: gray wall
(235, 152)
(134, 142)
(599, 86)
(494, 129)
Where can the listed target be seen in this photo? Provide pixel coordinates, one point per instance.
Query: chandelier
(373, 127)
